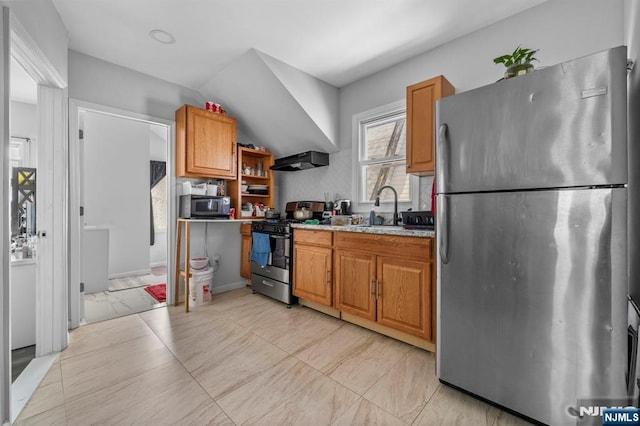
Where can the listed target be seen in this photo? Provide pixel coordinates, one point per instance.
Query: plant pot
(518, 69)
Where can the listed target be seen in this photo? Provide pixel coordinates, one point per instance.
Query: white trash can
(200, 286)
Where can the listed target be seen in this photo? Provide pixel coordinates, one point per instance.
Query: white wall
(116, 176)
(223, 238)
(41, 21)
(562, 30)
(157, 143)
(23, 119)
(104, 83)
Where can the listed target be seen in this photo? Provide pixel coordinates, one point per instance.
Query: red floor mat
(157, 291)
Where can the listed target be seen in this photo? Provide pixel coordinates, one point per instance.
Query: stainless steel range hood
(303, 161)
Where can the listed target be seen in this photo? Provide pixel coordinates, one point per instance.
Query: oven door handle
(278, 237)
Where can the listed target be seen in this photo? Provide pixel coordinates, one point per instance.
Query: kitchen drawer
(407, 247)
(310, 236)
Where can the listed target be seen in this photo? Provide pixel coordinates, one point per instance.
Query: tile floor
(113, 304)
(125, 296)
(245, 359)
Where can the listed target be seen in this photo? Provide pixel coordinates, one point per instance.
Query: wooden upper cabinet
(421, 132)
(205, 144)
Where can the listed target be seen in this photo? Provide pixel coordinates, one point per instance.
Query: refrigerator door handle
(444, 229)
(442, 154)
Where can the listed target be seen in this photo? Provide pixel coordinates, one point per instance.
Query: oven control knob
(280, 229)
(258, 227)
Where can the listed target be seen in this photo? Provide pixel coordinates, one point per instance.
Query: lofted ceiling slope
(277, 105)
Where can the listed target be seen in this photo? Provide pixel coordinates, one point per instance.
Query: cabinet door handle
(370, 286)
(328, 277)
(377, 289)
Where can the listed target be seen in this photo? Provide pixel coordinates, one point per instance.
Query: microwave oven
(204, 207)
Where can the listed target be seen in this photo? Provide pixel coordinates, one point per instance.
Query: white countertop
(391, 230)
(220, 220)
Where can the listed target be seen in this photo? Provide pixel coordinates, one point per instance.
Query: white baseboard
(153, 265)
(130, 273)
(229, 287)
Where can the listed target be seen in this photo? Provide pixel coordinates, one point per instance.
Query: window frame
(358, 122)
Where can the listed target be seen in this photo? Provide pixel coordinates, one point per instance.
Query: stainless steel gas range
(272, 276)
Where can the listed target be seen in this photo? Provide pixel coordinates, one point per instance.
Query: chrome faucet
(396, 219)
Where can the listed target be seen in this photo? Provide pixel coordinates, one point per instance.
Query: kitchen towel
(260, 248)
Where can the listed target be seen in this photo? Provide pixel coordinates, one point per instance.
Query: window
(381, 156)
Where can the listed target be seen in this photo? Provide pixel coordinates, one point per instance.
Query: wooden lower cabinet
(245, 250)
(382, 282)
(395, 291)
(313, 266)
(404, 295)
(355, 283)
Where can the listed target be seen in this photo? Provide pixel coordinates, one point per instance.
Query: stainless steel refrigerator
(532, 239)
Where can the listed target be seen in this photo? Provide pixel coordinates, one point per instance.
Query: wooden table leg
(187, 273)
(176, 283)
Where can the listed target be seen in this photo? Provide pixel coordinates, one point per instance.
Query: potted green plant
(518, 62)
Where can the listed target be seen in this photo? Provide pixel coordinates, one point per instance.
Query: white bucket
(200, 286)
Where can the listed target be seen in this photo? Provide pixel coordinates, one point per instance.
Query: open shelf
(251, 158)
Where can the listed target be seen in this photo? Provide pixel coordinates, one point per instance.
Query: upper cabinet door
(421, 158)
(205, 144)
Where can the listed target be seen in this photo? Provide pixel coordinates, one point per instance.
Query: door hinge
(80, 134)
(81, 210)
(81, 287)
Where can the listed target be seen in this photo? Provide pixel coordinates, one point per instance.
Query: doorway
(22, 205)
(123, 228)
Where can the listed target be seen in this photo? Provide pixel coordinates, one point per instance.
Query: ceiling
(336, 41)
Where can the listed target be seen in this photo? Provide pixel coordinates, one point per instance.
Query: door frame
(75, 221)
(52, 126)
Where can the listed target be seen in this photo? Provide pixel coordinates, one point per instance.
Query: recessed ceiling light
(162, 36)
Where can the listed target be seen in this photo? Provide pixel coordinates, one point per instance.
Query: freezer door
(560, 126)
(532, 304)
